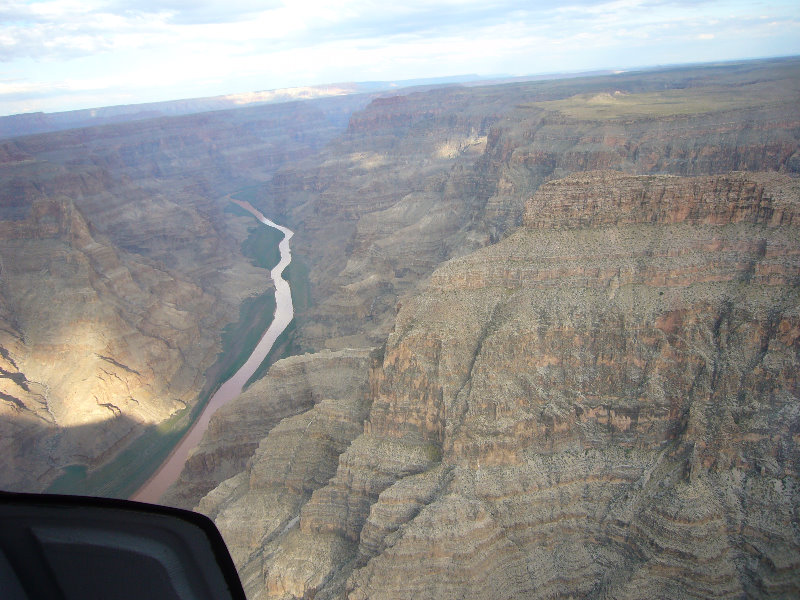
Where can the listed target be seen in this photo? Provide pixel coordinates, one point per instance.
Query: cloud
(195, 12)
(59, 29)
(19, 88)
(68, 28)
(156, 49)
(63, 30)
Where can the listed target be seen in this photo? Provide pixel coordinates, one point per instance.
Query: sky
(58, 55)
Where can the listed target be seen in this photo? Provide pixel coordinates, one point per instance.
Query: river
(171, 468)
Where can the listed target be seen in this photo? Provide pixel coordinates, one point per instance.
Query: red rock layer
(424, 177)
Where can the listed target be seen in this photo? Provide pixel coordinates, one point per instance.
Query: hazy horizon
(61, 55)
(460, 78)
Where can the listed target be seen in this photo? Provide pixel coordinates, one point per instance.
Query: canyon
(604, 403)
(122, 263)
(545, 339)
(166, 474)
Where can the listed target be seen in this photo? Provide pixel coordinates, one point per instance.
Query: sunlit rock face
(595, 395)
(120, 268)
(605, 403)
(98, 338)
(617, 417)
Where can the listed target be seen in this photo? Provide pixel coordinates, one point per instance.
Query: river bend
(171, 468)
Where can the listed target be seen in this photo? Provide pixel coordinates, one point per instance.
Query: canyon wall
(424, 177)
(294, 385)
(548, 332)
(597, 398)
(604, 403)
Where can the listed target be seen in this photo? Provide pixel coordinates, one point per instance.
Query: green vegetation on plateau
(667, 103)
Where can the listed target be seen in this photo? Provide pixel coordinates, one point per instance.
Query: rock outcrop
(586, 382)
(606, 403)
(294, 385)
(299, 455)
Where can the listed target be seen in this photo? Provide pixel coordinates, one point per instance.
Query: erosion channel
(170, 469)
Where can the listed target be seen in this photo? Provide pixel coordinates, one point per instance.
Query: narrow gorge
(125, 292)
(596, 395)
(166, 474)
(605, 402)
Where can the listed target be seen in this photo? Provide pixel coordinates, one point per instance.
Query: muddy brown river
(171, 468)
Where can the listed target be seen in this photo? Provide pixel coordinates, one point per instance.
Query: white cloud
(15, 87)
(153, 49)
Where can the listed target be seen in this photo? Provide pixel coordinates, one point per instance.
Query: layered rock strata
(424, 177)
(294, 385)
(603, 404)
(98, 343)
(258, 506)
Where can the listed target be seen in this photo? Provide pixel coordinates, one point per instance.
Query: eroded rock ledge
(604, 404)
(294, 385)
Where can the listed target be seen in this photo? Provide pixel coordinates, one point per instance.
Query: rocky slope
(298, 456)
(102, 338)
(424, 177)
(596, 395)
(605, 403)
(294, 385)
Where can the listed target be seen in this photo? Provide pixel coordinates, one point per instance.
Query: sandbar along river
(171, 468)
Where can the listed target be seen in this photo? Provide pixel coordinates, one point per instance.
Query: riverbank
(169, 471)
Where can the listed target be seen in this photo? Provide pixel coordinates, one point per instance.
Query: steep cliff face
(375, 210)
(99, 342)
(604, 403)
(259, 506)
